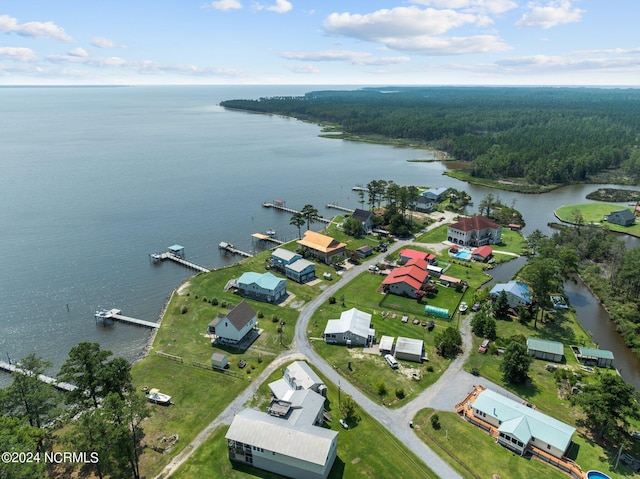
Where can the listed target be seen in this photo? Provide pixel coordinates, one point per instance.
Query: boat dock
(341, 208)
(176, 254)
(107, 316)
(267, 238)
(280, 205)
(229, 248)
(12, 368)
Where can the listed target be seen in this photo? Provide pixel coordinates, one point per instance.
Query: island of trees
(526, 139)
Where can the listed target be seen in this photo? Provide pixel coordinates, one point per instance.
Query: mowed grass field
(595, 213)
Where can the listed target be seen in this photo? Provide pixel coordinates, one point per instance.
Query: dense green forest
(542, 136)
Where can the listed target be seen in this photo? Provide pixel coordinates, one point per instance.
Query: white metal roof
(409, 346)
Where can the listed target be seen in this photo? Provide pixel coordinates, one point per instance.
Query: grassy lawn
(595, 213)
(363, 450)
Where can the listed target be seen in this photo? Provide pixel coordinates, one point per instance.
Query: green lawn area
(595, 213)
(363, 450)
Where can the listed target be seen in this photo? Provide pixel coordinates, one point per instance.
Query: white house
(262, 287)
(233, 326)
(474, 231)
(297, 376)
(517, 292)
(405, 280)
(287, 440)
(353, 329)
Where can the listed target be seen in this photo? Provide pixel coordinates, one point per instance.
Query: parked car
(484, 346)
(391, 361)
(344, 424)
(476, 307)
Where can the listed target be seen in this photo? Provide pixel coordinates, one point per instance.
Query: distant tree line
(544, 135)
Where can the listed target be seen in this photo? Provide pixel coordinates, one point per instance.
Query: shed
(595, 357)
(364, 251)
(386, 344)
(546, 350)
(219, 361)
(177, 250)
(409, 349)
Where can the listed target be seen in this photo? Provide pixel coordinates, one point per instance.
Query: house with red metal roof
(474, 231)
(405, 280)
(483, 253)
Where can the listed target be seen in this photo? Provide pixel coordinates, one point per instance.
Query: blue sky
(380, 42)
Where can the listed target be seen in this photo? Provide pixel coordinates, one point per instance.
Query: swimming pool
(464, 255)
(596, 475)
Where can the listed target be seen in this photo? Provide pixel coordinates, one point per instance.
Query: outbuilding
(219, 361)
(546, 350)
(409, 349)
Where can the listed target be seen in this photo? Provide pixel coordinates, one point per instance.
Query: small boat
(271, 233)
(155, 396)
(463, 307)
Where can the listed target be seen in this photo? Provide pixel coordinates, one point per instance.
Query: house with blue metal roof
(434, 194)
(520, 426)
(517, 292)
(262, 287)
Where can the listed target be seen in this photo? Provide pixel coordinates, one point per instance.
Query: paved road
(452, 386)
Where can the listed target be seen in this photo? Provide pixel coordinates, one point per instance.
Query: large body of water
(95, 179)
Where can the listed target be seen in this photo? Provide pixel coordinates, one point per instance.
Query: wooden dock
(341, 208)
(109, 315)
(267, 238)
(12, 368)
(174, 257)
(292, 211)
(229, 248)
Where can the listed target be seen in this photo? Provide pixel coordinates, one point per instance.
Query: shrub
(382, 388)
(435, 422)
(260, 315)
(332, 300)
(430, 368)
(274, 318)
(400, 393)
(204, 298)
(223, 304)
(184, 309)
(214, 301)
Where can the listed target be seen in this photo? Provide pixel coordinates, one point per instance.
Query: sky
(321, 42)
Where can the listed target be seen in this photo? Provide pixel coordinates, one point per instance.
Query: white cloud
(78, 52)
(486, 6)
(101, 42)
(611, 51)
(427, 45)
(226, 5)
(33, 29)
(356, 58)
(304, 69)
(555, 12)
(281, 6)
(569, 64)
(24, 55)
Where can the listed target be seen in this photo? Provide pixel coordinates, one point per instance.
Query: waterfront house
(352, 329)
(262, 287)
(300, 271)
(519, 426)
(474, 231)
(404, 281)
(298, 376)
(409, 349)
(408, 254)
(288, 439)
(322, 246)
(545, 350)
(434, 194)
(517, 292)
(623, 217)
(423, 204)
(235, 325)
(365, 218)
(283, 257)
(482, 253)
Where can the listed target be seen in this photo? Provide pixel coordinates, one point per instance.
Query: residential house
(423, 204)
(298, 376)
(353, 329)
(287, 440)
(545, 350)
(283, 257)
(235, 325)
(321, 246)
(409, 349)
(474, 231)
(262, 287)
(408, 254)
(365, 218)
(517, 292)
(301, 271)
(364, 251)
(404, 281)
(482, 253)
(623, 217)
(521, 427)
(434, 194)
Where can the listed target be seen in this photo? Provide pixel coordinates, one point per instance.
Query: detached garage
(409, 349)
(546, 350)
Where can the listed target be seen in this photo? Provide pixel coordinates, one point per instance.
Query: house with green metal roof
(593, 357)
(546, 350)
(262, 287)
(520, 426)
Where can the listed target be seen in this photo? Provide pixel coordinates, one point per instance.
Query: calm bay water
(92, 180)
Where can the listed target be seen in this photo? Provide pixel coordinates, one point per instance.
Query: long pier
(174, 257)
(292, 211)
(107, 316)
(12, 368)
(229, 248)
(267, 238)
(341, 208)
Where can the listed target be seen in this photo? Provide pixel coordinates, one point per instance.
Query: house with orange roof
(322, 246)
(405, 280)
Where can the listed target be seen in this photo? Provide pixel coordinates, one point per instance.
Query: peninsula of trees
(533, 136)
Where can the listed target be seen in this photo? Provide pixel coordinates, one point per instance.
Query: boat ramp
(106, 317)
(12, 368)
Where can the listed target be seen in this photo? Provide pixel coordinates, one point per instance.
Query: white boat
(271, 233)
(155, 396)
(463, 307)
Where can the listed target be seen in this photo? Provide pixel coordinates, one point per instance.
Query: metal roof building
(547, 350)
(409, 349)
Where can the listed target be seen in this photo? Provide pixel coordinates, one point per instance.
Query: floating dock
(107, 316)
(12, 368)
(229, 248)
(280, 205)
(341, 208)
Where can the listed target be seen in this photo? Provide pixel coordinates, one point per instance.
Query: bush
(223, 304)
(204, 298)
(332, 300)
(184, 309)
(430, 368)
(435, 422)
(214, 301)
(260, 315)
(274, 318)
(400, 393)
(382, 388)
